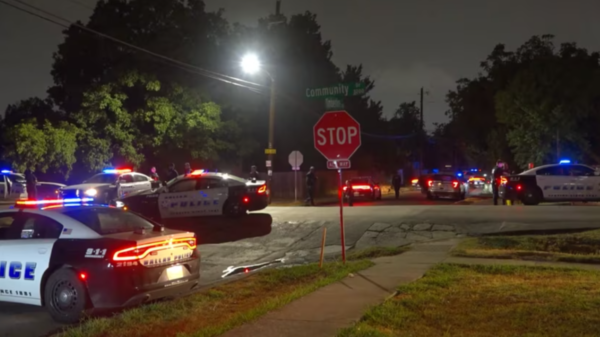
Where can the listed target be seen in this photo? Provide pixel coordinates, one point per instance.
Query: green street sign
(337, 90)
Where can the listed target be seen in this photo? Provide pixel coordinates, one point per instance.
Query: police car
(13, 187)
(72, 257)
(200, 194)
(110, 185)
(447, 185)
(555, 182)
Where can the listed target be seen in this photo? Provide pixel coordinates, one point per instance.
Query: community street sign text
(341, 89)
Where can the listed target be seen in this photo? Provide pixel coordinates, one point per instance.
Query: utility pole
(272, 116)
(422, 141)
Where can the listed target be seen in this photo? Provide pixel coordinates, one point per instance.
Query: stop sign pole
(337, 136)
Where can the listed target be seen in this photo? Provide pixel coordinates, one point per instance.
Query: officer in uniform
(171, 173)
(396, 182)
(254, 173)
(31, 182)
(497, 174)
(153, 174)
(311, 182)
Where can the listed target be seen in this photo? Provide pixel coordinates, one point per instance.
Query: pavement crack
(373, 282)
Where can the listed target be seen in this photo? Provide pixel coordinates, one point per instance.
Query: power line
(200, 71)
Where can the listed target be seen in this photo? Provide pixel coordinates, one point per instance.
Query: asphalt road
(294, 234)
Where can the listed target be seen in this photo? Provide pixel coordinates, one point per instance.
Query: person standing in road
(172, 173)
(497, 174)
(254, 173)
(187, 169)
(349, 192)
(311, 182)
(396, 182)
(31, 183)
(153, 174)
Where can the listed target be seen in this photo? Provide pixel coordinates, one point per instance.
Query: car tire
(531, 197)
(65, 296)
(233, 208)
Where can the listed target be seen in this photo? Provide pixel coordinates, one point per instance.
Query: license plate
(356, 194)
(175, 272)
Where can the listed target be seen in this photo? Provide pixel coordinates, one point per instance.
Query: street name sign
(343, 164)
(337, 90)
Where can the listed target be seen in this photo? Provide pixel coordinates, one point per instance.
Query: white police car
(555, 182)
(13, 187)
(110, 185)
(73, 258)
(200, 194)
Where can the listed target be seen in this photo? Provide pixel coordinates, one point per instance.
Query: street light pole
(271, 136)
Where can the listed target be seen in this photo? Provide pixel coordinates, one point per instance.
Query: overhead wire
(207, 73)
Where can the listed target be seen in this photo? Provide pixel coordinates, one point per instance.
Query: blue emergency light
(458, 174)
(6, 171)
(565, 161)
(53, 201)
(435, 171)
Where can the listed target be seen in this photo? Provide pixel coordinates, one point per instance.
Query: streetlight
(251, 64)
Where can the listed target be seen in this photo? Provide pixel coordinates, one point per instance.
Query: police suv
(73, 257)
(200, 194)
(13, 187)
(110, 185)
(556, 182)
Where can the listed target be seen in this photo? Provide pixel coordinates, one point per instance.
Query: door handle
(42, 250)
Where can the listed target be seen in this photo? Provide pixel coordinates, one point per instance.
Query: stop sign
(337, 135)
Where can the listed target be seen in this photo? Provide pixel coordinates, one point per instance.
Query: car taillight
(361, 187)
(345, 188)
(503, 181)
(430, 183)
(141, 251)
(414, 181)
(262, 189)
(519, 187)
(454, 184)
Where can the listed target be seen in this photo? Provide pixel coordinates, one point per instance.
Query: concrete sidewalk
(327, 310)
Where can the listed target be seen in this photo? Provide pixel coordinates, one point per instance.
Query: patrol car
(110, 185)
(200, 194)
(13, 187)
(446, 186)
(363, 187)
(73, 257)
(555, 182)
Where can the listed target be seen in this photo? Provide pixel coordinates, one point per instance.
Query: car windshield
(109, 220)
(360, 181)
(102, 178)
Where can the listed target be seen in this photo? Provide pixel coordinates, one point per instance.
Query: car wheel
(65, 296)
(233, 208)
(531, 197)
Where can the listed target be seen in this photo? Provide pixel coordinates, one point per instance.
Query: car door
(181, 200)
(142, 182)
(587, 183)
(26, 242)
(126, 185)
(216, 191)
(555, 182)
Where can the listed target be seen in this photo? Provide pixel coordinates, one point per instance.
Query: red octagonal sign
(337, 135)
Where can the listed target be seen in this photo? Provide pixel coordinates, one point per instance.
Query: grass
(373, 252)
(219, 309)
(461, 300)
(583, 247)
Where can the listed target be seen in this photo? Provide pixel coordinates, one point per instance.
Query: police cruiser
(200, 194)
(13, 187)
(555, 182)
(110, 185)
(72, 257)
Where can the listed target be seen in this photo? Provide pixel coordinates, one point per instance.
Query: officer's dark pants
(495, 192)
(311, 195)
(32, 193)
(397, 190)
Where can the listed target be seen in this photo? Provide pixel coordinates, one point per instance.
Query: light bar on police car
(6, 171)
(116, 171)
(197, 172)
(53, 201)
(565, 161)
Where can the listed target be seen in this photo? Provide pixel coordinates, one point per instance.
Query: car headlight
(91, 192)
(120, 204)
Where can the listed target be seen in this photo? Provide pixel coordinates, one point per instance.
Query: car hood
(53, 184)
(85, 186)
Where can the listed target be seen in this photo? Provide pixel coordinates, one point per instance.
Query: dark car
(363, 188)
(200, 194)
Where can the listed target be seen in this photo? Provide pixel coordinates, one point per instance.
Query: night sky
(403, 45)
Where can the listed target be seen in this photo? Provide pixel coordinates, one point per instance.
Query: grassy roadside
(581, 247)
(373, 252)
(222, 308)
(460, 300)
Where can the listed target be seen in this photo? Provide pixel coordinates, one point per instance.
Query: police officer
(497, 174)
(396, 182)
(350, 193)
(31, 183)
(254, 173)
(311, 183)
(172, 173)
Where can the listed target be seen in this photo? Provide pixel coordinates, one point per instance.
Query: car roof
(535, 169)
